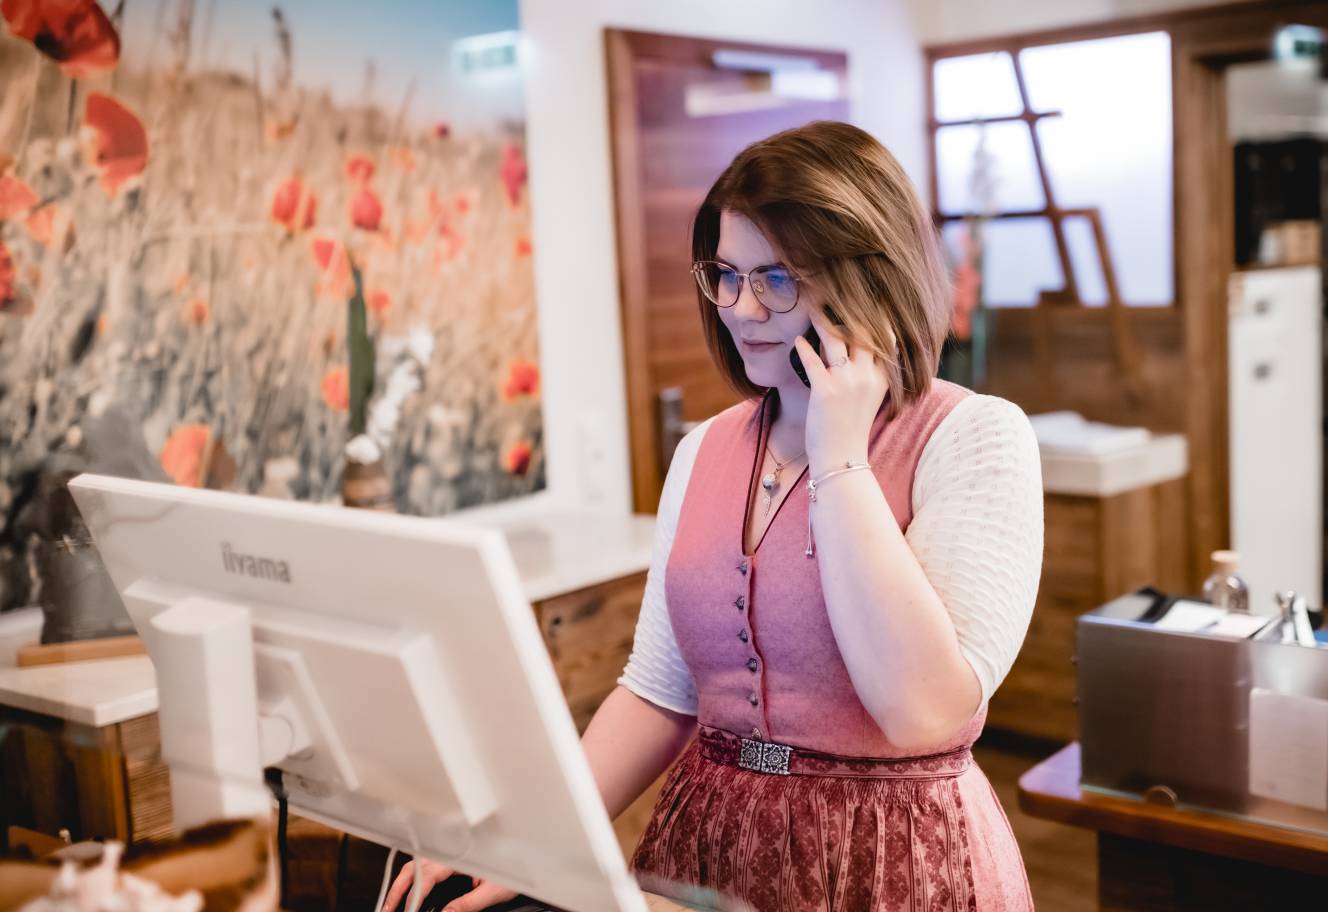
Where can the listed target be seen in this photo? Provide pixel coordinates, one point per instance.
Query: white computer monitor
(390, 666)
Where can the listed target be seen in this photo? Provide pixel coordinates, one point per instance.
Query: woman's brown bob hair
(840, 211)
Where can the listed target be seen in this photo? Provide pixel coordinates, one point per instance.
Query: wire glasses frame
(775, 286)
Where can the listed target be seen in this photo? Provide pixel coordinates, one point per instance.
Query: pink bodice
(753, 629)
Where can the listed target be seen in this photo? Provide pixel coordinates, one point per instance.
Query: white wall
(576, 273)
(942, 21)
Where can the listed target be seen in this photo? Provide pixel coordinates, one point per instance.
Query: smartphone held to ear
(796, 360)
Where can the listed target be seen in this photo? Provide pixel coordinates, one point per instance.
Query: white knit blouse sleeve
(977, 529)
(655, 670)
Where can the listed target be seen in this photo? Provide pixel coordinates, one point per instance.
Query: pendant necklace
(770, 480)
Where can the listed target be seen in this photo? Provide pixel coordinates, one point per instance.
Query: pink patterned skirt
(833, 834)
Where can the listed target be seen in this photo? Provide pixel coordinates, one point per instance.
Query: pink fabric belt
(720, 746)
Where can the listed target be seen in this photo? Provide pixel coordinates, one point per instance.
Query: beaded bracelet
(811, 497)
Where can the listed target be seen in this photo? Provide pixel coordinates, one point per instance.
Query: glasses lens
(718, 282)
(776, 288)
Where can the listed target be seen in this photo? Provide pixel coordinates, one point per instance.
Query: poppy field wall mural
(241, 243)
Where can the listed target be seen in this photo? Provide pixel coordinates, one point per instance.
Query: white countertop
(555, 553)
(1164, 457)
(99, 692)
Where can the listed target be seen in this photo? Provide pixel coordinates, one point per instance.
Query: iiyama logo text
(249, 565)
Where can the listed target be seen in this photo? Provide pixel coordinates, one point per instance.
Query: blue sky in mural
(334, 40)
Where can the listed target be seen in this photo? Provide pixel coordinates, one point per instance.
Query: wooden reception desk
(1153, 857)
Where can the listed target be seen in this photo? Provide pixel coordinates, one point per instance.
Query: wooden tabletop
(1051, 791)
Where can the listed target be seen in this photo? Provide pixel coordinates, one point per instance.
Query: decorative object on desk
(175, 230)
(78, 599)
(65, 575)
(222, 867)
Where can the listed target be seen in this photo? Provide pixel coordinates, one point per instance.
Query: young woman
(843, 571)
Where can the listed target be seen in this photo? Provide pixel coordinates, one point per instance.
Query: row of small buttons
(741, 604)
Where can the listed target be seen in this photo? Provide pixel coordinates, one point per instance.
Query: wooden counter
(1154, 857)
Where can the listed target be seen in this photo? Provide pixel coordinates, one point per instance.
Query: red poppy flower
(336, 389)
(293, 205)
(522, 380)
(442, 130)
(517, 458)
(8, 278)
(513, 172)
(16, 197)
(447, 248)
(523, 247)
(74, 33)
(324, 251)
(359, 169)
(462, 203)
(335, 280)
(120, 147)
(366, 210)
(380, 302)
(197, 311)
(41, 225)
(182, 456)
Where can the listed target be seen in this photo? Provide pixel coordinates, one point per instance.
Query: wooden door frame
(1205, 41)
(623, 50)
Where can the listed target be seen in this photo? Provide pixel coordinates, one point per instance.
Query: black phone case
(796, 360)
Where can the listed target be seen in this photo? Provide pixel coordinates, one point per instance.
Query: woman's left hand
(848, 388)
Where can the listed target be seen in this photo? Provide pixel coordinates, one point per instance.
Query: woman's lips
(760, 346)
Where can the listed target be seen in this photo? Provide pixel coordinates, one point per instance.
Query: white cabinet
(1275, 433)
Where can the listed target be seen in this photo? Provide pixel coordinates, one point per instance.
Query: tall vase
(365, 485)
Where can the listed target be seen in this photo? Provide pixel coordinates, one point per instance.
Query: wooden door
(680, 109)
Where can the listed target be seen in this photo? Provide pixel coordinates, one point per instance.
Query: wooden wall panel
(1085, 373)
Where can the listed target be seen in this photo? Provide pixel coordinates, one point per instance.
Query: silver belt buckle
(764, 757)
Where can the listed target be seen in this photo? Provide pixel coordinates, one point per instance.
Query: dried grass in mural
(177, 235)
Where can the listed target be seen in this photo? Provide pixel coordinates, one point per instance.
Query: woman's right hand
(483, 895)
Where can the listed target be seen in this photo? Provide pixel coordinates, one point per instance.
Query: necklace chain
(770, 481)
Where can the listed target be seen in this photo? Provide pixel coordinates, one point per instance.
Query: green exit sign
(483, 54)
(1298, 42)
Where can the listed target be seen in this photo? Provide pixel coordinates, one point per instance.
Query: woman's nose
(748, 307)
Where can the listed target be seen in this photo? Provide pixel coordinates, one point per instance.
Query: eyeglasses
(775, 286)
